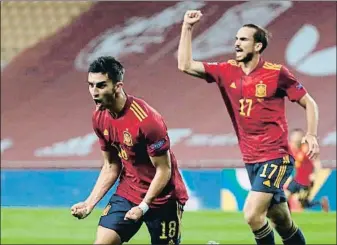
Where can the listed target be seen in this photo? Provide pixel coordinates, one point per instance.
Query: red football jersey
(138, 133)
(303, 165)
(256, 105)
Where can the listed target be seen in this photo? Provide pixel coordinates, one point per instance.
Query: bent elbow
(183, 67)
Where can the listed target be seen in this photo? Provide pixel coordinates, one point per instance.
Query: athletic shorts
(163, 223)
(270, 176)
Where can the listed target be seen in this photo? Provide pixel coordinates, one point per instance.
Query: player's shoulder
(98, 118)
(221, 64)
(231, 63)
(142, 110)
(98, 115)
(149, 119)
(267, 65)
(225, 64)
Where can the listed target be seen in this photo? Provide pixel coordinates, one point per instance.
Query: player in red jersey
(305, 172)
(136, 148)
(253, 91)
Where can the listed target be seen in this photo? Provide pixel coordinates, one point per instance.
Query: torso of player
(256, 107)
(304, 167)
(126, 135)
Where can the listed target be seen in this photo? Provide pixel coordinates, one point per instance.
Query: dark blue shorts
(163, 223)
(270, 177)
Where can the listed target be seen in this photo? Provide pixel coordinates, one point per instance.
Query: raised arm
(185, 60)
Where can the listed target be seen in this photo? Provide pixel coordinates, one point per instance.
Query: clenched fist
(134, 214)
(192, 16)
(81, 210)
(313, 147)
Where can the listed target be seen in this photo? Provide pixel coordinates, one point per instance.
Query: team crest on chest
(261, 90)
(127, 139)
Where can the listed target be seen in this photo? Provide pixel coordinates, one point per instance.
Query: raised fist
(192, 16)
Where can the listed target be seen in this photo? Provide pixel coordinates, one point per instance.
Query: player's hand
(81, 210)
(313, 147)
(134, 213)
(192, 16)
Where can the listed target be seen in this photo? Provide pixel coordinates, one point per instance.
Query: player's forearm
(106, 179)
(185, 48)
(317, 165)
(158, 183)
(312, 117)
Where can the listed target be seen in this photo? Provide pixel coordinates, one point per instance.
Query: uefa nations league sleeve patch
(157, 145)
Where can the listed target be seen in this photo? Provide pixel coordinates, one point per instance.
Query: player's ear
(119, 86)
(258, 47)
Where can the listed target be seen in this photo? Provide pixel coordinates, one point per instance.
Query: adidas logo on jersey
(106, 132)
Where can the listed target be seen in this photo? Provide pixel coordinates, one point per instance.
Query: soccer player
(136, 148)
(305, 172)
(253, 91)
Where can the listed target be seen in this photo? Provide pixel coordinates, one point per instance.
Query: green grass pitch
(57, 226)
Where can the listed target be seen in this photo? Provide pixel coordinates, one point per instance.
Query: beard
(247, 58)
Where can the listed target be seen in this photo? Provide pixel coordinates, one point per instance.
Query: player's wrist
(187, 25)
(144, 207)
(89, 205)
(311, 134)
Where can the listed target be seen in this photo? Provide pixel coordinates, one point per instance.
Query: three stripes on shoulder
(138, 111)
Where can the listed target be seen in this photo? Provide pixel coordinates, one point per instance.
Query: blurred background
(50, 156)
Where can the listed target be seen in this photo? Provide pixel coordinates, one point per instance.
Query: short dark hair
(108, 65)
(260, 36)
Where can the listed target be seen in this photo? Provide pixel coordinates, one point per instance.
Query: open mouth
(98, 104)
(238, 50)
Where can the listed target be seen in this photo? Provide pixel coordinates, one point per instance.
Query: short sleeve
(213, 71)
(102, 141)
(156, 137)
(289, 84)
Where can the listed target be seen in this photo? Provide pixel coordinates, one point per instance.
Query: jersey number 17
(245, 107)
